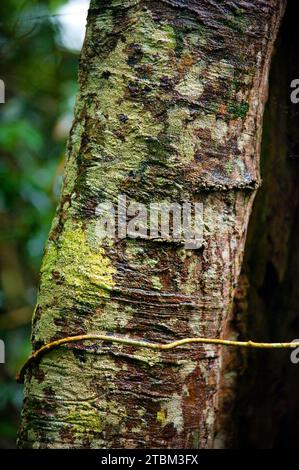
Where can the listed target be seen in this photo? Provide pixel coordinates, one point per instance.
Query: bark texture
(262, 410)
(170, 107)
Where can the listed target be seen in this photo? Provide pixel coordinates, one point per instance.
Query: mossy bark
(170, 107)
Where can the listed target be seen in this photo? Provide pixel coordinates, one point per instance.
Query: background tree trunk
(170, 107)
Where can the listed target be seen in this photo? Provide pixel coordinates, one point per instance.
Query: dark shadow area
(266, 409)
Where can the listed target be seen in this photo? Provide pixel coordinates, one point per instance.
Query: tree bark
(260, 406)
(171, 99)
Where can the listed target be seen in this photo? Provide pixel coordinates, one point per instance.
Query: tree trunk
(170, 107)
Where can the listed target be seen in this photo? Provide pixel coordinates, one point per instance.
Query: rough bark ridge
(170, 107)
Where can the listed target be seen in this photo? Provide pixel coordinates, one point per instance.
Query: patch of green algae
(78, 265)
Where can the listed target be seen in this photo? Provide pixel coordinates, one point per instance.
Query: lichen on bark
(170, 106)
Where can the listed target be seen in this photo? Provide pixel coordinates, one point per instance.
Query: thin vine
(146, 344)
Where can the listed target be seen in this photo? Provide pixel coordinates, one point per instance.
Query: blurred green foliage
(40, 87)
